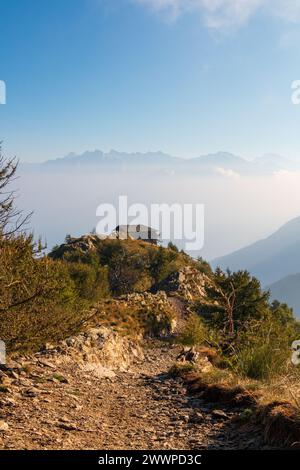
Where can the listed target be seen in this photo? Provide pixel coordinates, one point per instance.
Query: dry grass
(281, 388)
(284, 387)
(132, 320)
(229, 394)
(180, 369)
(281, 424)
(118, 316)
(274, 405)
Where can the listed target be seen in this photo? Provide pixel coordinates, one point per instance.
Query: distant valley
(274, 260)
(244, 200)
(288, 290)
(270, 259)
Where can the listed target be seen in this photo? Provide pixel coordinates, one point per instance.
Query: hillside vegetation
(226, 316)
(47, 298)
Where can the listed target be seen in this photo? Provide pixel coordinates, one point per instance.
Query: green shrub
(194, 332)
(262, 349)
(180, 369)
(91, 281)
(257, 362)
(173, 247)
(156, 321)
(233, 299)
(203, 266)
(38, 299)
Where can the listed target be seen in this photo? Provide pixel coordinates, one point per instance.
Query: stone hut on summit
(137, 232)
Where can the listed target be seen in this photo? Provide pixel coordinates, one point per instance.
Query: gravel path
(45, 406)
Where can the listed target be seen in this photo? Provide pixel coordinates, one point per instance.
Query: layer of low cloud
(238, 210)
(220, 14)
(227, 173)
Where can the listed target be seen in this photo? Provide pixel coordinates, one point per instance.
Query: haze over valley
(149, 229)
(244, 201)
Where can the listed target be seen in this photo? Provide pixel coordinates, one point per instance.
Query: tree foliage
(253, 335)
(235, 297)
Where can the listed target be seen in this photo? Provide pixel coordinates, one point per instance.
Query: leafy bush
(156, 321)
(263, 348)
(258, 362)
(132, 266)
(128, 271)
(233, 298)
(172, 246)
(253, 336)
(91, 282)
(194, 332)
(162, 263)
(203, 266)
(136, 266)
(38, 298)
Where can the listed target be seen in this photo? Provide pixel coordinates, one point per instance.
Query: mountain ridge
(287, 290)
(208, 164)
(271, 258)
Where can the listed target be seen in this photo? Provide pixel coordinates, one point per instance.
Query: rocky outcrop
(84, 244)
(98, 350)
(195, 356)
(147, 300)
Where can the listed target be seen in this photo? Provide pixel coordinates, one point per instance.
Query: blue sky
(185, 77)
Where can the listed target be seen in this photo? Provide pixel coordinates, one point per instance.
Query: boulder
(187, 283)
(3, 426)
(100, 350)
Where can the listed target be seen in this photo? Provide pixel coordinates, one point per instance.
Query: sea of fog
(238, 211)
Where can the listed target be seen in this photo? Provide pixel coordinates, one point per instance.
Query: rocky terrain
(101, 391)
(186, 283)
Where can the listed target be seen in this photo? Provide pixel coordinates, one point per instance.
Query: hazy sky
(238, 211)
(184, 76)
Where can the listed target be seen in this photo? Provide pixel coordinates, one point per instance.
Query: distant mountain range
(270, 259)
(220, 163)
(274, 260)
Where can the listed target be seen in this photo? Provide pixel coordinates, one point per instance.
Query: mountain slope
(272, 163)
(287, 290)
(269, 259)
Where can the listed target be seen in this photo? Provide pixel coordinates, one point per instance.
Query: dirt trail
(45, 407)
(181, 313)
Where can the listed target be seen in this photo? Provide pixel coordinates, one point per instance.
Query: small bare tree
(11, 219)
(227, 300)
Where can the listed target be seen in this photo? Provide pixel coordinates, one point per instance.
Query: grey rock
(219, 414)
(3, 426)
